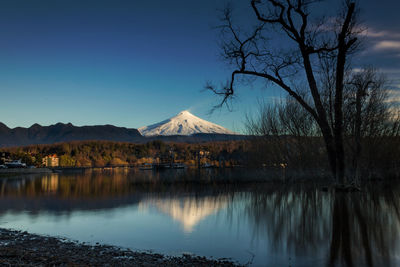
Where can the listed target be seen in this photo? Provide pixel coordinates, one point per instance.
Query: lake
(265, 224)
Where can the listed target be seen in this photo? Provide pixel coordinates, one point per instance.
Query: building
(4, 157)
(51, 161)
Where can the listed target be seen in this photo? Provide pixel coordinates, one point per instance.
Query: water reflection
(293, 219)
(358, 229)
(280, 224)
(365, 229)
(188, 211)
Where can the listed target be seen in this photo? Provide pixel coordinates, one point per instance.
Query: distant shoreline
(25, 170)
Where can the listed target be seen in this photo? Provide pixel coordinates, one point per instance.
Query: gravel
(24, 249)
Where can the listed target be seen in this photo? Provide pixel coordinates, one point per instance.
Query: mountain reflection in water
(281, 225)
(188, 211)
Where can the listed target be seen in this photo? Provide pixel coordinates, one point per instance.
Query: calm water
(266, 224)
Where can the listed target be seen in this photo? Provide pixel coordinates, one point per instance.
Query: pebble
(36, 250)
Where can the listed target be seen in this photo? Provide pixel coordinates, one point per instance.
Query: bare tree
(370, 116)
(308, 42)
(371, 129)
(290, 136)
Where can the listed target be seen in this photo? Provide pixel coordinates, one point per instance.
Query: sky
(135, 63)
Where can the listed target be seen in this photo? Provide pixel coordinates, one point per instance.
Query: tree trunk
(343, 47)
(338, 106)
(322, 119)
(330, 149)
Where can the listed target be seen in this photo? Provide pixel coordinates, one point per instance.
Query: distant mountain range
(185, 127)
(37, 134)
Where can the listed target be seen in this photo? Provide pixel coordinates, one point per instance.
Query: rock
(32, 250)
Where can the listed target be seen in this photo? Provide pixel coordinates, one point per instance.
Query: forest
(107, 153)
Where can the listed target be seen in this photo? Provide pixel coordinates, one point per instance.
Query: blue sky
(134, 63)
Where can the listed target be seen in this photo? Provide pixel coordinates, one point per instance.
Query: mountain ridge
(60, 132)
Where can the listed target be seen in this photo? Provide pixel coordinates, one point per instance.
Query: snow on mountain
(185, 123)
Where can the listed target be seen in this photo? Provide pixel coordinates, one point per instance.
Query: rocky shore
(23, 249)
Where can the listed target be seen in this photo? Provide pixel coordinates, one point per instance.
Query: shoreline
(25, 171)
(23, 248)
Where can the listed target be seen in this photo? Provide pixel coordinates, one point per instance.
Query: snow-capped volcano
(185, 123)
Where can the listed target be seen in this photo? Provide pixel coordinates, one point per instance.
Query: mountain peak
(184, 115)
(35, 125)
(185, 123)
(184, 112)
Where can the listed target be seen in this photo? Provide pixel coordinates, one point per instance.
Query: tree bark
(322, 115)
(343, 47)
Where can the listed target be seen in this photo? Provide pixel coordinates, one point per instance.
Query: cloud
(387, 45)
(394, 103)
(387, 71)
(392, 71)
(371, 32)
(394, 95)
(361, 30)
(383, 40)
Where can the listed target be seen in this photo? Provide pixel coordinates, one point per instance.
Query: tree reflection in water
(347, 229)
(365, 228)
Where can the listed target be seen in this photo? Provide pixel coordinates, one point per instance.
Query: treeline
(288, 136)
(106, 153)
